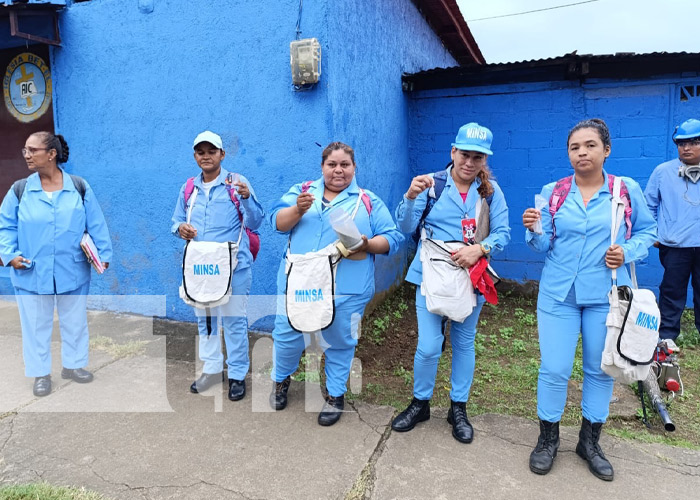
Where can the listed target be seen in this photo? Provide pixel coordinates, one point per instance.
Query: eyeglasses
(32, 151)
(688, 142)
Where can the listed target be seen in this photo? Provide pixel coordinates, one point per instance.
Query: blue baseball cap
(474, 137)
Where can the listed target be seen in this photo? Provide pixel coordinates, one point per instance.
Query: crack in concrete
(12, 427)
(659, 466)
(363, 486)
(379, 429)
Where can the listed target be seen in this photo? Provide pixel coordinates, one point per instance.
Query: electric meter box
(305, 59)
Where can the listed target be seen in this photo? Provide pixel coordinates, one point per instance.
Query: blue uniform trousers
(679, 265)
(232, 316)
(338, 342)
(429, 349)
(559, 325)
(36, 318)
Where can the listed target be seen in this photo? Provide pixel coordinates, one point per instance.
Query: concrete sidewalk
(137, 433)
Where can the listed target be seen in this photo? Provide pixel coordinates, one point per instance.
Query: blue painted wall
(530, 123)
(134, 82)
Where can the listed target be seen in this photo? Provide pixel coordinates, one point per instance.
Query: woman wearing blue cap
(305, 213)
(575, 233)
(217, 205)
(42, 221)
(464, 209)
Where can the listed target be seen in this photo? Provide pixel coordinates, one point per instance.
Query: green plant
(519, 345)
(479, 341)
(506, 332)
(405, 375)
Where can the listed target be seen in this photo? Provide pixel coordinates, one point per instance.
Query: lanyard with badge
(469, 225)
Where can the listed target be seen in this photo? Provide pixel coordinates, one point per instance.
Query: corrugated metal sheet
(568, 67)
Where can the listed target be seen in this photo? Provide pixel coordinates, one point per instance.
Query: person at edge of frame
(673, 196)
(40, 233)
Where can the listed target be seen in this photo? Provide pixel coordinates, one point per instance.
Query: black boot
(278, 398)
(331, 411)
(542, 457)
(462, 430)
(588, 449)
(417, 411)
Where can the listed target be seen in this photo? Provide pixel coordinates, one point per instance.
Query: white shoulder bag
(207, 267)
(446, 285)
(633, 320)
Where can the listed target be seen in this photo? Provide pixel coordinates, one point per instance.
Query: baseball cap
(474, 137)
(209, 137)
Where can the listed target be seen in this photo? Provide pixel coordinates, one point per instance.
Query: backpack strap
(626, 200)
(434, 193)
(80, 185)
(189, 189)
(556, 200)
(366, 200)
(78, 182)
(233, 195)
(18, 188)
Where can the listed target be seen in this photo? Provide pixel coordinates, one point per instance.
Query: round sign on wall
(27, 87)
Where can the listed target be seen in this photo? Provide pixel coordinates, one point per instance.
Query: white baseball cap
(210, 137)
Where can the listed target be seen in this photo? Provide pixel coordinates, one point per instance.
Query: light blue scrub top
(314, 232)
(675, 203)
(47, 231)
(445, 218)
(215, 216)
(577, 255)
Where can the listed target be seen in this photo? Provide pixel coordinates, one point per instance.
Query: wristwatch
(486, 248)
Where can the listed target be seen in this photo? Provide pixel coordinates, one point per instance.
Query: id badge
(469, 231)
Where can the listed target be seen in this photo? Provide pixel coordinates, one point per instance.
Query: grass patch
(116, 350)
(45, 491)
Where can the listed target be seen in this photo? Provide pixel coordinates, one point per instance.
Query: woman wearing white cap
(222, 201)
(464, 208)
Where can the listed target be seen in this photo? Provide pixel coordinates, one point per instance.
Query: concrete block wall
(530, 123)
(134, 82)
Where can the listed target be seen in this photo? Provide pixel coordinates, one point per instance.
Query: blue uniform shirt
(314, 232)
(577, 255)
(445, 218)
(47, 231)
(215, 216)
(675, 203)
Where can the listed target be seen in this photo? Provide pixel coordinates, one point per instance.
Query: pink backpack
(253, 236)
(365, 197)
(561, 191)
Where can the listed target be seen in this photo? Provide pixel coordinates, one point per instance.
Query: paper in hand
(540, 203)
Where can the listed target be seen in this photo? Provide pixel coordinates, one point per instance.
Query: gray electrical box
(305, 59)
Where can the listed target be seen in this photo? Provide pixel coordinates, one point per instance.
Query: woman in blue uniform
(468, 180)
(303, 214)
(215, 217)
(41, 225)
(573, 293)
